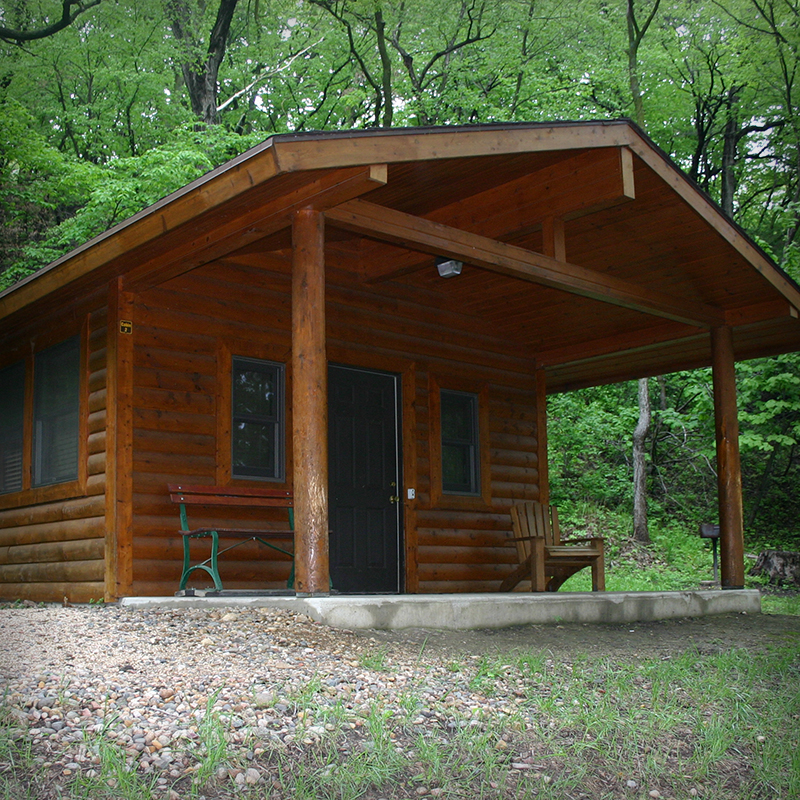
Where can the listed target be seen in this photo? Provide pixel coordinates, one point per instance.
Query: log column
(729, 474)
(541, 436)
(309, 404)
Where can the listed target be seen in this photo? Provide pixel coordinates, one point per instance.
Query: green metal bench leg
(212, 570)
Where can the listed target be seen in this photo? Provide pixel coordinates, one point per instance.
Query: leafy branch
(68, 16)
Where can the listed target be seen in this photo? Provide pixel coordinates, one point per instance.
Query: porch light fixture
(448, 267)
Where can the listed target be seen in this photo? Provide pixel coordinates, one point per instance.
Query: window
(460, 443)
(56, 413)
(12, 422)
(257, 419)
(42, 441)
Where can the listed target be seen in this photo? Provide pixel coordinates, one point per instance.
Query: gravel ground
(144, 678)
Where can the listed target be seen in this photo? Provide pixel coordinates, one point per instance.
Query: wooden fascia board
(208, 192)
(330, 189)
(658, 334)
(442, 240)
(600, 348)
(714, 217)
(576, 186)
(425, 145)
(606, 370)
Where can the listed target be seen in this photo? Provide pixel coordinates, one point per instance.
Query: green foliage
(39, 187)
(127, 185)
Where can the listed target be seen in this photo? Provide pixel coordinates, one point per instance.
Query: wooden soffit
(435, 238)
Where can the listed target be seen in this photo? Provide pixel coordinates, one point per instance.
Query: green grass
(781, 604)
(677, 560)
(721, 723)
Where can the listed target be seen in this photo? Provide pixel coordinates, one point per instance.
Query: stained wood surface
(179, 326)
(56, 546)
(310, 406)
(729, 475)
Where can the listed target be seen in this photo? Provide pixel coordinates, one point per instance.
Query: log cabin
(371, 320)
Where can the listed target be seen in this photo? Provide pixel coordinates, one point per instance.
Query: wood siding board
(55, 531)
(53, 592)
(64, 550)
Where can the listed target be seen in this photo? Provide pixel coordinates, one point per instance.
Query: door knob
(394, 499)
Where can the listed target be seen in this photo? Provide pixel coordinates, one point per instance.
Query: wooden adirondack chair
(544, 558)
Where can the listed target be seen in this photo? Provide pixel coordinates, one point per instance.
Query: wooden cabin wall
(53, 546)
(180, 327)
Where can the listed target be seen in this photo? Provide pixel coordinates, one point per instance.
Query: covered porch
(659, 268)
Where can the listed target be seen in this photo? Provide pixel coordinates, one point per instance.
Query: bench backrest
(229, 496)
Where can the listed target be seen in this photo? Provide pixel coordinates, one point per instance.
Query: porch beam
(309, 403)
(729, 475)
(406, 230)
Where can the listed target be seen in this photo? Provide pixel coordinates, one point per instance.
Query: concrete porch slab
(474, 611)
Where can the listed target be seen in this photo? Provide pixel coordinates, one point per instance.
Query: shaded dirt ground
(635, 640)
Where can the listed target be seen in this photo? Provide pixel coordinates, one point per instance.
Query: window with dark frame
(258, 414)
(460, 443)
(12, 423)
(56, 413)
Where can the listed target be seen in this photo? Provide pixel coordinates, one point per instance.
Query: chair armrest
(582, 539)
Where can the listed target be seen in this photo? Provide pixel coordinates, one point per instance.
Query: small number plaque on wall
(125, 326)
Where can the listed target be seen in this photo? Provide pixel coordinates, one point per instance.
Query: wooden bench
(228, 496)
(547, 559)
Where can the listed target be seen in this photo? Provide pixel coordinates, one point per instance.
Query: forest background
(108, 105)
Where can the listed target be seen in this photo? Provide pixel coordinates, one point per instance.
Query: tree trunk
(201, 71)
(386, 71)
(730, 141)
(780, 566)
(636, 33)
(640, 529)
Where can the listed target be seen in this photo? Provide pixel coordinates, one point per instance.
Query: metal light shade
(448, 267)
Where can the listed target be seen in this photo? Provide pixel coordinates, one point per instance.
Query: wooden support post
(119, 443)
(309, 403)
(541, 437)
(729, 475)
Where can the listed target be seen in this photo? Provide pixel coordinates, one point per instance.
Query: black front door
(364, 480)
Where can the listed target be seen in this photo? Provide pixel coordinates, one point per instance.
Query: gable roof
(584, 246)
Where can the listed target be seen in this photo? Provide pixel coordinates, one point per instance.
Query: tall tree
(201, 59)
(641, 532)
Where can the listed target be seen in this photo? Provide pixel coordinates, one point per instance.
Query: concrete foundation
(474, 611)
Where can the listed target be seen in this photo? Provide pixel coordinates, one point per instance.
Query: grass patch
(786, 603)
(721, 723)
(718, 725)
